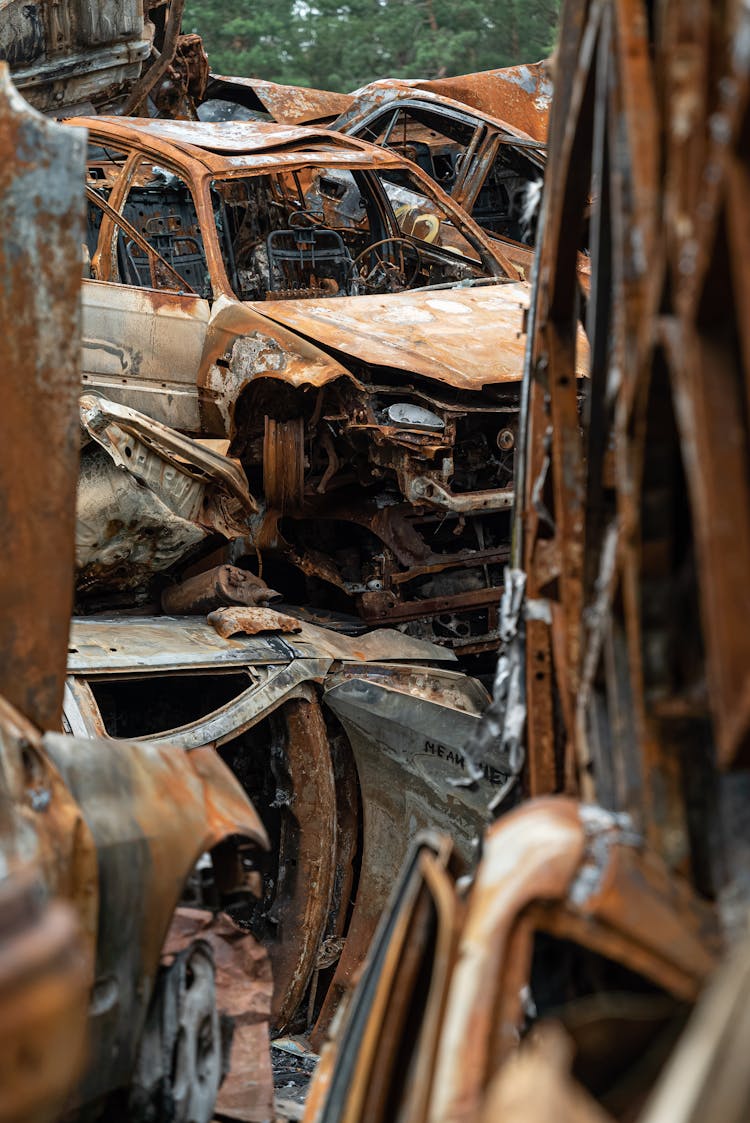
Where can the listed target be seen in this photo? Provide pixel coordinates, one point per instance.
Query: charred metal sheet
(41, 203)
(109, 645)
(408, 734)
(147, 497)
(520, 95)
(112, 645)
(64, 55)
(290, 105)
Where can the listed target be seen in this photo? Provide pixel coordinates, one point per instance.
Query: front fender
(152, 811)
(242, 344)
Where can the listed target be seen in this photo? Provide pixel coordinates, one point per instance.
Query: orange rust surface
(41, 202)
(251, 621)
(44, 989)
(291, 105)
(519, 95)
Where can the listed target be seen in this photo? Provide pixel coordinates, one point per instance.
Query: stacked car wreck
(331, 451)
(296, 425)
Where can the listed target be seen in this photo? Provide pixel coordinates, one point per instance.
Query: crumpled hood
(467, 338)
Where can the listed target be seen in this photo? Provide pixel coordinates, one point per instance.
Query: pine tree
(340, 46)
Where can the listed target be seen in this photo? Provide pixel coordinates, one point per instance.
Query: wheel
(181, 1058)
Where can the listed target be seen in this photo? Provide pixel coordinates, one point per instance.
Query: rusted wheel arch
(311, 794)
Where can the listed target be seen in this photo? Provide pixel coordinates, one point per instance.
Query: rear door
(146, 289)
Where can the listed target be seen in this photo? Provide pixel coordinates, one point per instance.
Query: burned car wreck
(491, 169)
(346, 745)
(322, 305)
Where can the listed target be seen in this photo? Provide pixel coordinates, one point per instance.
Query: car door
(146, 288)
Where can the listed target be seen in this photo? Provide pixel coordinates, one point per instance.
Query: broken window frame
(199, 179)
(494, 264)
(149, 162)
(155, 259)
(430, 249)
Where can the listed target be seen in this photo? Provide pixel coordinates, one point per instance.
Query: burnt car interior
(446, 148)
(305, 232)
(317, 232)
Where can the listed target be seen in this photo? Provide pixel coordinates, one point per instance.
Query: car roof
(115, 644)
(223, 144)
(384, 91)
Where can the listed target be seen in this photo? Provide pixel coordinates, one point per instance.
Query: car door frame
(145, 344)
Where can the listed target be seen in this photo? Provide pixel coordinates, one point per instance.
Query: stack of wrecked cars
(300, 374)
(322, 306)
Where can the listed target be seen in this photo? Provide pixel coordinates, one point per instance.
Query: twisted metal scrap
(635, 514)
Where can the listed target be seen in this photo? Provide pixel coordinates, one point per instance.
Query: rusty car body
(286, 289)
(119, 828)
(568, 917)
(519, 95)
(487, 166)
(348, 745)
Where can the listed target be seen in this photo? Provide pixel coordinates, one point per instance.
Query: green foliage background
(340, 46)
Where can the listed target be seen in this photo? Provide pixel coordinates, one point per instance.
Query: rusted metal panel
(520, 95)
(290, 105)
(65, 54)
(115, 322)
(180, 806)
(417, 332)
(42, 206)
(119, 644)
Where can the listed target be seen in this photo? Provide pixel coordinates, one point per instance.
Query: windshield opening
(312, 232)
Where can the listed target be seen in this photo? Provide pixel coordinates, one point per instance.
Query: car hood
(466, 337)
